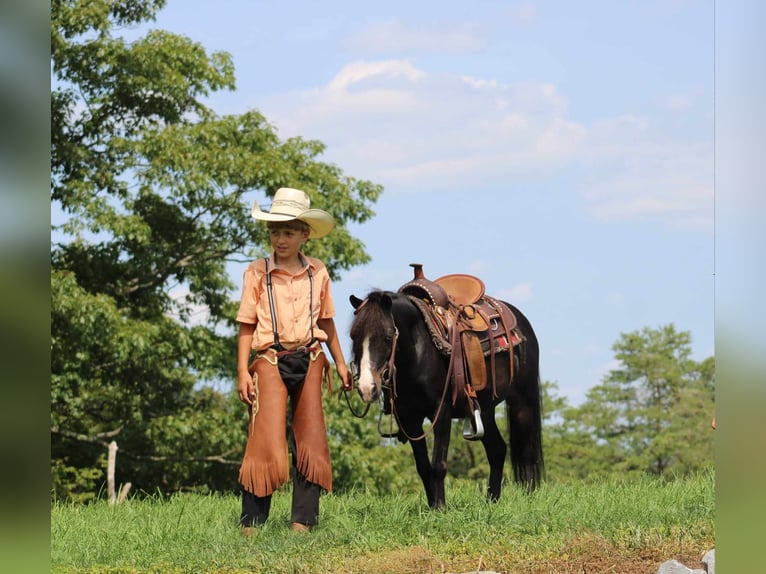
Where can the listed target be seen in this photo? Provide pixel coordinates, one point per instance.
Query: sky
(561, 151)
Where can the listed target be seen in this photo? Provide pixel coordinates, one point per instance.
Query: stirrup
(473, 429)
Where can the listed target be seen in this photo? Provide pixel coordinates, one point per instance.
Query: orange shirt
(291, 296)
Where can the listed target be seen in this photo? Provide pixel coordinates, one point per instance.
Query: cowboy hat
(289, 204)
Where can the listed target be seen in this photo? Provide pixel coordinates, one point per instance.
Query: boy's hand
(345, 376)
(245, 388)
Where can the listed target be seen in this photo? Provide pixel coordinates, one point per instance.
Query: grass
(608, 526)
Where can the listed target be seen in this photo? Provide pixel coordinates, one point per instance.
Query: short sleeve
(327, 305)
(248, 305)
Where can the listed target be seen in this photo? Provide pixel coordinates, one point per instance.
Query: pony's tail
(523, 412)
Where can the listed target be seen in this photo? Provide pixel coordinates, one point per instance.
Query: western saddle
(468, 326)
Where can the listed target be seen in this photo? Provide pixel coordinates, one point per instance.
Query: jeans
(305, 505)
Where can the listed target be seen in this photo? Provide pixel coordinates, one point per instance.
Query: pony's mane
(369, 315)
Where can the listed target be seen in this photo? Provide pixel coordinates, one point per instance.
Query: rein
(424, 434)
(391, 368)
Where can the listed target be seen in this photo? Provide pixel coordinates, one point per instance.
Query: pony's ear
(355, 301)
(386, 302)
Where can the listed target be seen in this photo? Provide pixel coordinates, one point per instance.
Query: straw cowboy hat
(292, 204)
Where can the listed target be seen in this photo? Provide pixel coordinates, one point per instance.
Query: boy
(285, 313)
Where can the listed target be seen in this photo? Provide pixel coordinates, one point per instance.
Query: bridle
(387, 375)
(388, 381)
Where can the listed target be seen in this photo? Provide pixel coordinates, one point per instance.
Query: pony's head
(373, 338)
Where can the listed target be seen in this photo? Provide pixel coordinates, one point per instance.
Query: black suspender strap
(271, 304)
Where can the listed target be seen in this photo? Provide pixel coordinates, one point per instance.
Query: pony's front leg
(439, 461)
(420, 452)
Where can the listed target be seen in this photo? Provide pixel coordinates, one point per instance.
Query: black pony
(394, 354)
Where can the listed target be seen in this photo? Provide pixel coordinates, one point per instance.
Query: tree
(652, 413)
(151, 184)
(572, 451)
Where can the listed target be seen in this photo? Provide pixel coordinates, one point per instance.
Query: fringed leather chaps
(265, 466)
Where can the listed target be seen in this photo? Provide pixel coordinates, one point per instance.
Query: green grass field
(609, 526)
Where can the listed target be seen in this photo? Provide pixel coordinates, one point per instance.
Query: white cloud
(395, 123)
(386, 70)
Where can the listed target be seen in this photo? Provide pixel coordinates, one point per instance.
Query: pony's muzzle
(369, 390)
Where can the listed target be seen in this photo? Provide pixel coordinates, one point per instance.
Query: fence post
(124, 489)
(110, 472)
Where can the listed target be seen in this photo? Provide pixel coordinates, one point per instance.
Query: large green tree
(147, 191)
(651, 414)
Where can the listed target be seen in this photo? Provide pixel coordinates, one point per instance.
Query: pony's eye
(389, 336)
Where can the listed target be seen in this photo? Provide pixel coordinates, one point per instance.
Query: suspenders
(272, 307)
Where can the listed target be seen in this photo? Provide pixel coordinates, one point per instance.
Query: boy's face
(287, 241)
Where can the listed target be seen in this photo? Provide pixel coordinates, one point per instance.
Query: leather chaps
(265, 466)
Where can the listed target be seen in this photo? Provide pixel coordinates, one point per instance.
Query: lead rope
(351, 408)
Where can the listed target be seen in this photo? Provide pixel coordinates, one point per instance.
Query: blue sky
(562, 151)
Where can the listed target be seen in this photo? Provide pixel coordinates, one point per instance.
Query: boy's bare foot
(298, 527)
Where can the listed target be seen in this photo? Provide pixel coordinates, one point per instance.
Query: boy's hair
(295, 224)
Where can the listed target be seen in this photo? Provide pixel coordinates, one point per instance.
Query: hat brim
(319, 221)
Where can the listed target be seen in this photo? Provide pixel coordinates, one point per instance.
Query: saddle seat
(462, 289)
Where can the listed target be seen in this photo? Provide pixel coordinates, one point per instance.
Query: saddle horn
(417, 270)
